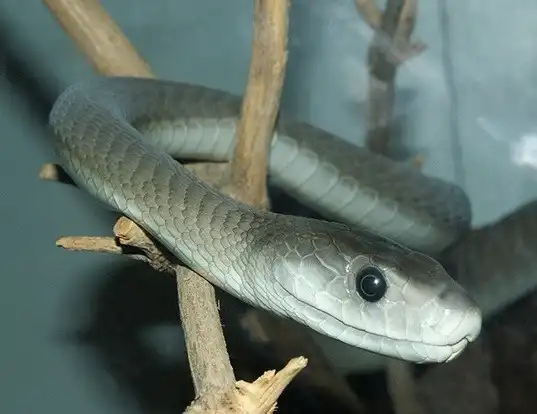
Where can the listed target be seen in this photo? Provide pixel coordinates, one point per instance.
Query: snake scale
(367, 278)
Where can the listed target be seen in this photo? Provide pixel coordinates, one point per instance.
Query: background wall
(467, 103)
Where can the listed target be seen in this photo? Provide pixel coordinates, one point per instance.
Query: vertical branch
(407, 21)
(402, 388)
(261, 101)
(210, 365)
(382, 72)
(249, 172)
(389, 48)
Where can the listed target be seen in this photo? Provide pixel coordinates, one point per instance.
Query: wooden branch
(99, 37)
(249, 176)
(382, 72)
(256, 398)
(370, 12)
(111, 53)
(402, 388)
(373, 15)
(407, 21)
(194, 297)
(390, 48)
(268, 329)
(243, 397)
(261, 102)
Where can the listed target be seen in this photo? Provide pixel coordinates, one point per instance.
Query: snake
(364, 275)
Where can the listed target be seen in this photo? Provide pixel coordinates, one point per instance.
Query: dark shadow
(131, 301)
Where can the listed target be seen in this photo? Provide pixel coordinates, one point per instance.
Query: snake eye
(371, 284)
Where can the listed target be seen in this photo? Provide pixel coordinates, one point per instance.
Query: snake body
(355, 282)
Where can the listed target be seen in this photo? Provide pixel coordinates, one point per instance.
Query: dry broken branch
(257, 397)
(390, 47)
(403, 10)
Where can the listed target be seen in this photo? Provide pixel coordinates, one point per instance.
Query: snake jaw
(415, 351)
(459, 346)
(410, 351)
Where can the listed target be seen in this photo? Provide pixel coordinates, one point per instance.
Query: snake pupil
(371, 284)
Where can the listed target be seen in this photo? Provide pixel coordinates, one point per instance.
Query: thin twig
(389, 48)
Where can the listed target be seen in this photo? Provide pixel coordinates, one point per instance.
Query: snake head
(372, 293)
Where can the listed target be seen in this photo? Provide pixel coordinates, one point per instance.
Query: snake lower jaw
(460, 347)
(417, 352)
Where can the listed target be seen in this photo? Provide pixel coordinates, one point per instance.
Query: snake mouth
(458, 348)
(418, 352)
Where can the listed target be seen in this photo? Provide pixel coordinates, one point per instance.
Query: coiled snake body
(367, 283)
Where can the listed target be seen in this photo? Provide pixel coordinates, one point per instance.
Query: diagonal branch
(99, 37)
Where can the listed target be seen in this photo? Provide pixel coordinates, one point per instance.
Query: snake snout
(469, 327)
(460, 319)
